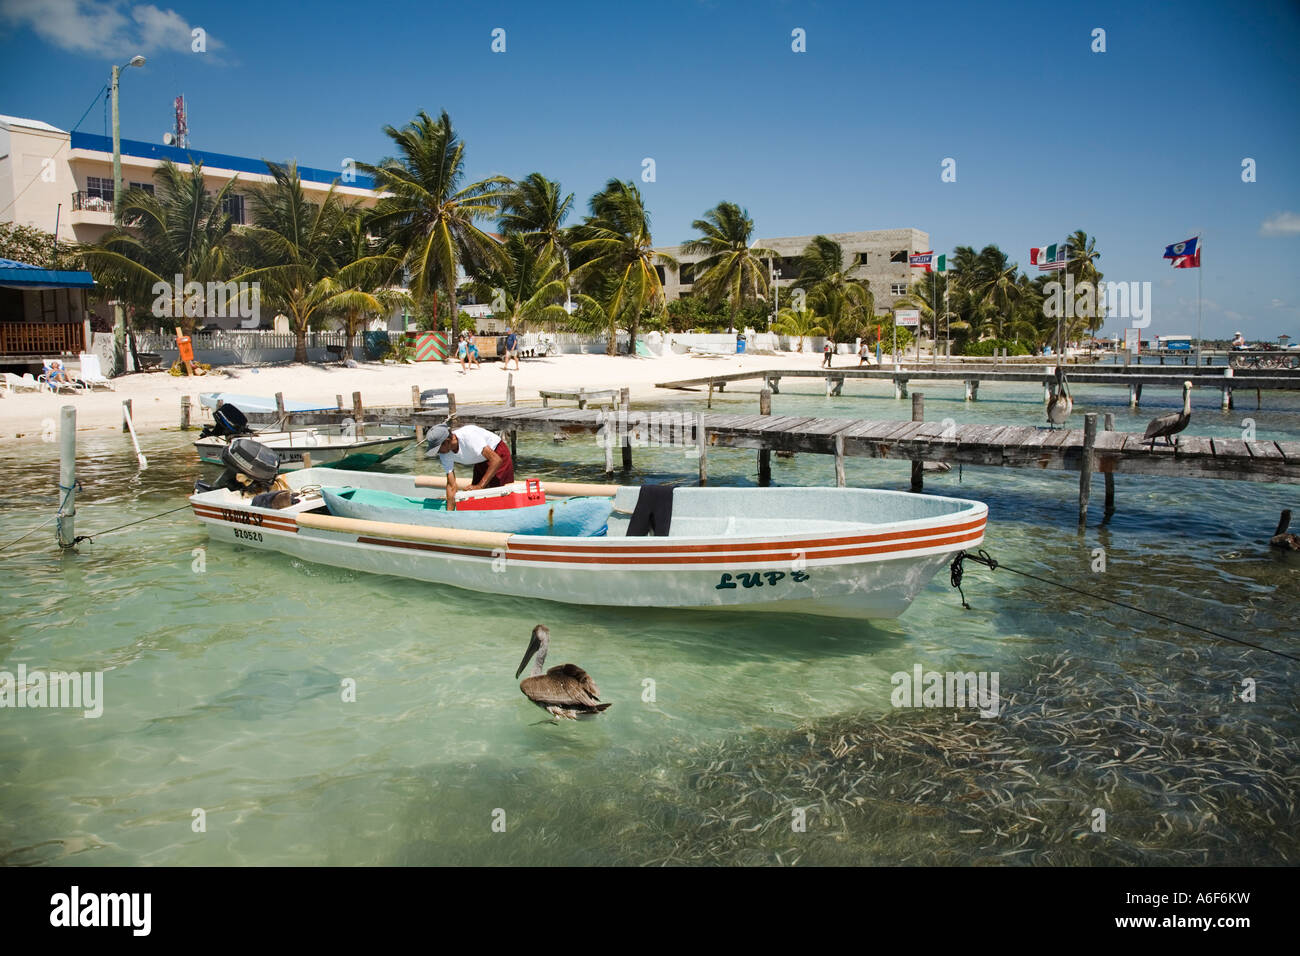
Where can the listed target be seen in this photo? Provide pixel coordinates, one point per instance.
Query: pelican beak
(533, 646)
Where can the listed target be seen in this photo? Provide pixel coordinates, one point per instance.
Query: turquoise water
(222, 685)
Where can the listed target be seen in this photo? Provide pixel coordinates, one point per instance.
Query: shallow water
(222, 685)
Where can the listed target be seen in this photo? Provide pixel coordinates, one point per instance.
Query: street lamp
(776, 292)
(119, 314)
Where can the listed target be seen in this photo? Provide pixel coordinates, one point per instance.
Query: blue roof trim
(25, 275)
(241, 164)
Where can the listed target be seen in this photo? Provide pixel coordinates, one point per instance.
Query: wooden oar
(557, 488)
(408, 532)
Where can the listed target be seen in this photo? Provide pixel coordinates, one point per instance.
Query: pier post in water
(415, 398)
(356, 407)
(1110, 476)
(510, 403)
(126, 415)
(279, 405)
(900, 387)
(185, 413)
(1135, 394)
(66, 521)
(765, 454)
(972, 389)
(918, 466)
(1085, 465)
(840, 480)
(702, 436)
(339, 399)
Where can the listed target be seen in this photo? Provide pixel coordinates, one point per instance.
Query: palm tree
(180, 229)
(802, 323)
(997, 290)
(846, 302)
(926, 294)
(430, 219)
(534, 209)
(615, 243)
(529, 283)
(731, 268)
(372, 273)
(1083, 255)
(298, 253)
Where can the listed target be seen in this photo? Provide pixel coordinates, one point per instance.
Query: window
(898, 288)
(861, 258)
(147, 187)
(686, 275)
(99, 188)
(899, 256)
(659, 271)
(233, 205)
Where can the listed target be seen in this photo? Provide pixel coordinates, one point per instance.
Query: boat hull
(871, 573)
(326, 451)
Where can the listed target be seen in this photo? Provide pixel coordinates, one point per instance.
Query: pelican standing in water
(1281, 538)
(566, 690)
(1167, 426)
(1059, 404)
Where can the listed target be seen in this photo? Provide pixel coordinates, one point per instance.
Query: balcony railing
(42, 338)
(84, 201)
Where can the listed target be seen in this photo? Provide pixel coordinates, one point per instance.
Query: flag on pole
(1049, 258)
(941, 264)
(1185, 248)
(921, 260)
(1187, 262)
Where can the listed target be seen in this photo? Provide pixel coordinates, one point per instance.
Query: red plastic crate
(505, 499)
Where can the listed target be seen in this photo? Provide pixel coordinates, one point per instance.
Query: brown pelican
(1281, 539)
(1060, 404)
(1166, 426)
(565, 690)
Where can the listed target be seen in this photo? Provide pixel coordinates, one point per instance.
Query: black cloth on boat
(653, 512)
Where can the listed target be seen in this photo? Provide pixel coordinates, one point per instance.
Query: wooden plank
(1229, 448)
(1263, 449)
(872, 429)
(1114, 441)
(1195, 445)
(1290, 449)
(784, 423)
(825, 426)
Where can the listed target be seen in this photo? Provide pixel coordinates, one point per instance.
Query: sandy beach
(155, 396)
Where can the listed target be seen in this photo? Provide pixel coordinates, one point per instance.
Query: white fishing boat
(347, 445)
(838, 552)
(326, 446)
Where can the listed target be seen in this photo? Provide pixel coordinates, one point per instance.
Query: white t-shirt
(472, 442)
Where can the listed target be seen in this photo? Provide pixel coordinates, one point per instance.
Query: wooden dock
(1133, 377)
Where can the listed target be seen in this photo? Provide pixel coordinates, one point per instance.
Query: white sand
(155, 396)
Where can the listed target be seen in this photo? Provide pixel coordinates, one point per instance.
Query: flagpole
(1200, 240)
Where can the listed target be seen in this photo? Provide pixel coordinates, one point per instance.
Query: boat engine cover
(251, 458)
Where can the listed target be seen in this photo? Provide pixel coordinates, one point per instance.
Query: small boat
(346, 445)
(354, 447)
(580, 517)
(836, 552)
(260, 403)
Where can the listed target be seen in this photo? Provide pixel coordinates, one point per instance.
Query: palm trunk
(455, 313)
(300, 346)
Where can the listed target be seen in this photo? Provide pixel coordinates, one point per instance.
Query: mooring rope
(982, 557)
(76, 486)
(100, 534)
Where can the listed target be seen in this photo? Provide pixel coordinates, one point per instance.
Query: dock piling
(765, 454)
(185, 413)
(702, 435)
(918, 466)
(1086, 465)
(972, 389)
(339, 399)
(840, 480)
(126, 414)
(357, 408)
(279, 404)
(65, 524)
(1110, 477)
(510, 403)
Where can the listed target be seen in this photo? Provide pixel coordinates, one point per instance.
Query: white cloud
(112, 29)
(1283, 224)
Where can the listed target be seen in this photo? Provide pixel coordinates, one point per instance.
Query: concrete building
(879, 256)
(43, 168)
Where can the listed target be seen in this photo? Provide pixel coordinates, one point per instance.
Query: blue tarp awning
(22, 275)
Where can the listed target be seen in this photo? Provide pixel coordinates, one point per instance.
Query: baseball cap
(434, 439)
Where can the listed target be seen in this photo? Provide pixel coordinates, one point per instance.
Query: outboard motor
(243, 456)
(227, 422)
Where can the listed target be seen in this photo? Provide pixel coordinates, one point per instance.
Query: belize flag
(1187, 262)
(1179, 249)
(921, 260)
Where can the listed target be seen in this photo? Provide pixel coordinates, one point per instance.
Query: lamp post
(119, 314)
(776, 293)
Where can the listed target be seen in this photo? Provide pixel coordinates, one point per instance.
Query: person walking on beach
(827, 350)
(864, 356)
(471, 445)
(512, 350)
(462, 353)
(473, 350)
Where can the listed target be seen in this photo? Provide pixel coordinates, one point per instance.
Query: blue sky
(1141, 145)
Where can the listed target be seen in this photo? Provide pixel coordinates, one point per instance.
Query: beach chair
(21, 383)
(91, 375)
(48, 380)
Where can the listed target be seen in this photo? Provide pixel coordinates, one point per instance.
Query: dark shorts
(505, 474)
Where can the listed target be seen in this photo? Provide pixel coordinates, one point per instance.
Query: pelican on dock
(1282, 539)
(566, 690)
(1166, 426)
(1059, 404)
